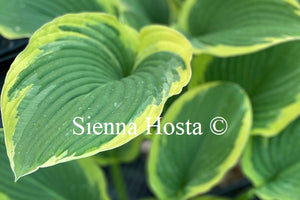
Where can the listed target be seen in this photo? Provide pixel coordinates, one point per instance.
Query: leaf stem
(118, 181)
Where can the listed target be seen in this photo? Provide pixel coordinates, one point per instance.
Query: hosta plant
(208, 83)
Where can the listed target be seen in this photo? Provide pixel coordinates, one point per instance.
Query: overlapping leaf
(88, 66)
(273, 164)
(74, 180)
(182, 166)
(20, 18)
(270, 77)
(235, 27)
(139, 13)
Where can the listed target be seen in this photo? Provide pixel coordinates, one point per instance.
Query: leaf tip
(22, 171)
(17, 175)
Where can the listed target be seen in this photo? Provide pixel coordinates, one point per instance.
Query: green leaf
(139, 13)
(273, 164)
(81, 179)
(178, 2)
(88, 66)
(123, 154)
(182, 166)
(21, 18)
(3, 196)
(235, 27)
(270, 77)
(209, 198)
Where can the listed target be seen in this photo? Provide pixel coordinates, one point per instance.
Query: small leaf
(81, 179)
(235, 27)
(21, 18)
(273, 164)
(270, 77)
(90, 69)
(183, 166)
(123, 154)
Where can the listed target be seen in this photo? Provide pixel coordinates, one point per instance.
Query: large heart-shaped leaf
(139, 13)
(273, 164)
(270, 77)
(182, 166)
(81, 70)
(74, 180)
(20, 18)
(234, 27)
